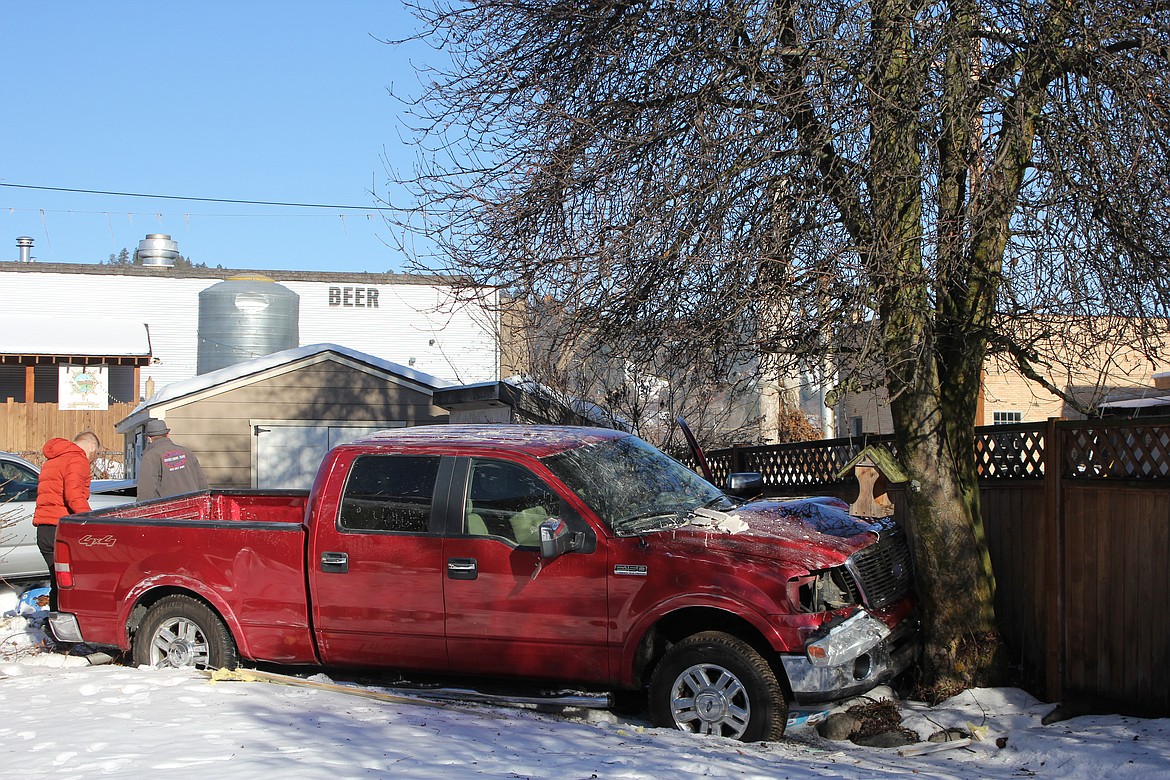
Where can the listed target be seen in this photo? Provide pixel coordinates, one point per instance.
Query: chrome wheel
(179, 642)
(708, 699)
(714, 683)
(179, 631)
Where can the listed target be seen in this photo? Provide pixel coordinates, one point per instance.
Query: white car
(20, 559)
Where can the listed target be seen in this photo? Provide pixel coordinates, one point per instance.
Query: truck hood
(808, 533)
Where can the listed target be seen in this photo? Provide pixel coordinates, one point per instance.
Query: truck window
(390, 493)
(624, 479)
(508, 500)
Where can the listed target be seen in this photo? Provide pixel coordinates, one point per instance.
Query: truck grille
(883, 572)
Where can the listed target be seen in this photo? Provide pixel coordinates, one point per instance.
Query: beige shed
(268, 422)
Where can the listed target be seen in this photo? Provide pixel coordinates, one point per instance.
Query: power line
(184, 197)
(370, 212)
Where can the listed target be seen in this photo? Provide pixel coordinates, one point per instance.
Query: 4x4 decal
(98, 541)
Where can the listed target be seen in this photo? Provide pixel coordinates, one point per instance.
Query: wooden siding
(219, 430)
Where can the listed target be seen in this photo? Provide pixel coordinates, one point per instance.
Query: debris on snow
(839, 726)
(924, 748)
(950, 735)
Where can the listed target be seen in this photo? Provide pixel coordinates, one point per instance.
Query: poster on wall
(83, 388)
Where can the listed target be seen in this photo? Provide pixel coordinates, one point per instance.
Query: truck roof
(537, 440)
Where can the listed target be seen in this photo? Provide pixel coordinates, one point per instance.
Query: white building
(414, 321)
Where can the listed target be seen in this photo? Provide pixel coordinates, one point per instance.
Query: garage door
(287, 454)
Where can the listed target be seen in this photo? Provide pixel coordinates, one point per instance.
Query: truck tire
(181, 631)
(713, 683)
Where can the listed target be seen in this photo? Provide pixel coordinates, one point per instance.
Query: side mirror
(556, 539)
(747, 484)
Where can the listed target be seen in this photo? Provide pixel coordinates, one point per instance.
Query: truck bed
(274, 506)
(241, 551)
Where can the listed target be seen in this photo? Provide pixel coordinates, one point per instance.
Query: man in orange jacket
(62, 489)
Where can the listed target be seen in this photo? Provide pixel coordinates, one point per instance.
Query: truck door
(377, 567)
(507, 614)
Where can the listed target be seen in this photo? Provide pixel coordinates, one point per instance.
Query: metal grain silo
(245, 317)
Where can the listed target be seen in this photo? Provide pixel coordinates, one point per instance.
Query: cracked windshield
(633, 487)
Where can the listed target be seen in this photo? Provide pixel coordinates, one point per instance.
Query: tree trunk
(950, 553)
(932, 401)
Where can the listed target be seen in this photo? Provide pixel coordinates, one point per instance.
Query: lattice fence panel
(797, 464)
(720, 465)
(814, 463)
(1129, 452)
(1092, 450)
(1010, 452)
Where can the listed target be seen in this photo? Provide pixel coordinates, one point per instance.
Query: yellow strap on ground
(235, 675)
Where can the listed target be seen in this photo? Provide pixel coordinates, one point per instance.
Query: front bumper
(868, 659)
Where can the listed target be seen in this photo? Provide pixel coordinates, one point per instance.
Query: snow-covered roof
(590, 411)
(260, 365)
(1137, 403)
(73, 336)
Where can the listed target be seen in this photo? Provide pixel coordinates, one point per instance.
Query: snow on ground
(64, 718)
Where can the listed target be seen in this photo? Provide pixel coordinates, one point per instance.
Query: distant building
(412, 320)
(85, 344)
(1117, 380)
(267, 422)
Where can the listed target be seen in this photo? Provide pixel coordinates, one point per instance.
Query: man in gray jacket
(167, 469)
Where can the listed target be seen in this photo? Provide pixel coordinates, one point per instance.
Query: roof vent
(157, 250)
(24, 244)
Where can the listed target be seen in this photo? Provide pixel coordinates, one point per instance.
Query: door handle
(335, 562)
(462, 568)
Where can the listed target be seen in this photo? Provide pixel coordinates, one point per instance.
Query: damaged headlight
(823, 591)
(847, 640)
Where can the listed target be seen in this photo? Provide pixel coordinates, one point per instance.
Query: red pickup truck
(537, 553)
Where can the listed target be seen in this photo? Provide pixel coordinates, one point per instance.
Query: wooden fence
(1001, 452)
(24, 429)
(1077, 515)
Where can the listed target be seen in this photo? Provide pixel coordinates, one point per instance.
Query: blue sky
(246, 100)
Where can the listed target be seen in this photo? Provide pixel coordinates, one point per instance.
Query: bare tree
(760, 183)
(645, 390)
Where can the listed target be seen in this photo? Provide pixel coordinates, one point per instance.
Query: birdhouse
(875, 470)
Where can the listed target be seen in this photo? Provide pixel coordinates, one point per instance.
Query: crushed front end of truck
(870, 628)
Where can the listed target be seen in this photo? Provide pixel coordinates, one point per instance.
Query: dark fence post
(736, 460)
(1053, 537)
